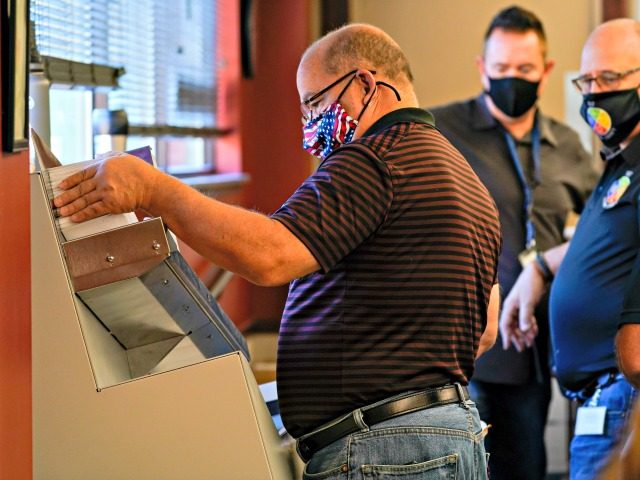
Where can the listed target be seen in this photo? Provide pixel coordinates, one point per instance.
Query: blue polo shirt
(600, 270)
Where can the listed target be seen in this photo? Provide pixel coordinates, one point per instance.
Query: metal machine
(137, 371)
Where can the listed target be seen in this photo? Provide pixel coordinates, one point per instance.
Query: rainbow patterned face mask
(328, 131)
(611, 115)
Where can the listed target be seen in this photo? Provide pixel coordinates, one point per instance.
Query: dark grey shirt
(567, 176)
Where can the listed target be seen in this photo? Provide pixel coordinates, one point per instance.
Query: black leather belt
(309, 444)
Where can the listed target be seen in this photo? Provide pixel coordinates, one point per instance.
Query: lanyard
(527, 189)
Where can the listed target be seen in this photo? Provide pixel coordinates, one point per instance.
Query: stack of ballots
(72, 230)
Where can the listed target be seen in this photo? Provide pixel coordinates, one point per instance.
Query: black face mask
(512, 95)
(611, 115)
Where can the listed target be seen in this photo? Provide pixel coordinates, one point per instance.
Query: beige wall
(443, 37)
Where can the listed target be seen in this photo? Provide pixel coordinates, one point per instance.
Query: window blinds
(166, 47)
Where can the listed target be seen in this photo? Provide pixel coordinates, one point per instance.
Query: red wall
(263, 113)
(271, 129)
(15, 317)
(271, 136)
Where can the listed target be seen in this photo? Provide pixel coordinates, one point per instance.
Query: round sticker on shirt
(599, 120)
(616, 190)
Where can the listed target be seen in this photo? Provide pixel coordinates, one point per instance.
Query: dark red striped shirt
(407, 239)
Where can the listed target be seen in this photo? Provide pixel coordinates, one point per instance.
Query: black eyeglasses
(606, 80)
(304, 106)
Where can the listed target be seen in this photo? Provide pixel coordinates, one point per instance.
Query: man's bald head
(359, 46)
(613, 45)
(612, 55)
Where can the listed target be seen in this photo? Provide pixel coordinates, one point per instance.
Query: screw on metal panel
(165, 282)
(156, 245)
(110, 258)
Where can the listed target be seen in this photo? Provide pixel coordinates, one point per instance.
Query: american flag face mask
(329, 130)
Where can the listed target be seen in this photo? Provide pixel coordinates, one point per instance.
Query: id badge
(527, 256)
(590, 420)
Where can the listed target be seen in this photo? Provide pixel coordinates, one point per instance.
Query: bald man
(391, 249)
(595, 297)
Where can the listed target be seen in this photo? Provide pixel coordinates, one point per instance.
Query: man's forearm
(628, 353)
(555, 255)
(248, 243)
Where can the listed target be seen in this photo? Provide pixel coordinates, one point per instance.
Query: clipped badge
(616, 190)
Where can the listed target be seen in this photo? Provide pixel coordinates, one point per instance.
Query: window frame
(224, 132)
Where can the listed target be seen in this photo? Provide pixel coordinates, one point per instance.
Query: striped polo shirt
(407, 239)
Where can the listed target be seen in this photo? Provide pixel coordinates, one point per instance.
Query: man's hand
(518, 324)
(118, 183)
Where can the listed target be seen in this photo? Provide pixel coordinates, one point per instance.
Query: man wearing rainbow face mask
(390, 248)
(594, 301)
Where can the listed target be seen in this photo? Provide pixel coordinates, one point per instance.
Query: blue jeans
(590, 453)
(435, 443)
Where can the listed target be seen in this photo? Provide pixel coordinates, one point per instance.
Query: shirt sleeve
(338, 207)
(631, 303)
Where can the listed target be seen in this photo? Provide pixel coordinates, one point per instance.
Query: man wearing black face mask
(595, 297)
(537, 172)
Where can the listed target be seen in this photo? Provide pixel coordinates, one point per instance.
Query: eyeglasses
(606, 80)
(307, 110)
